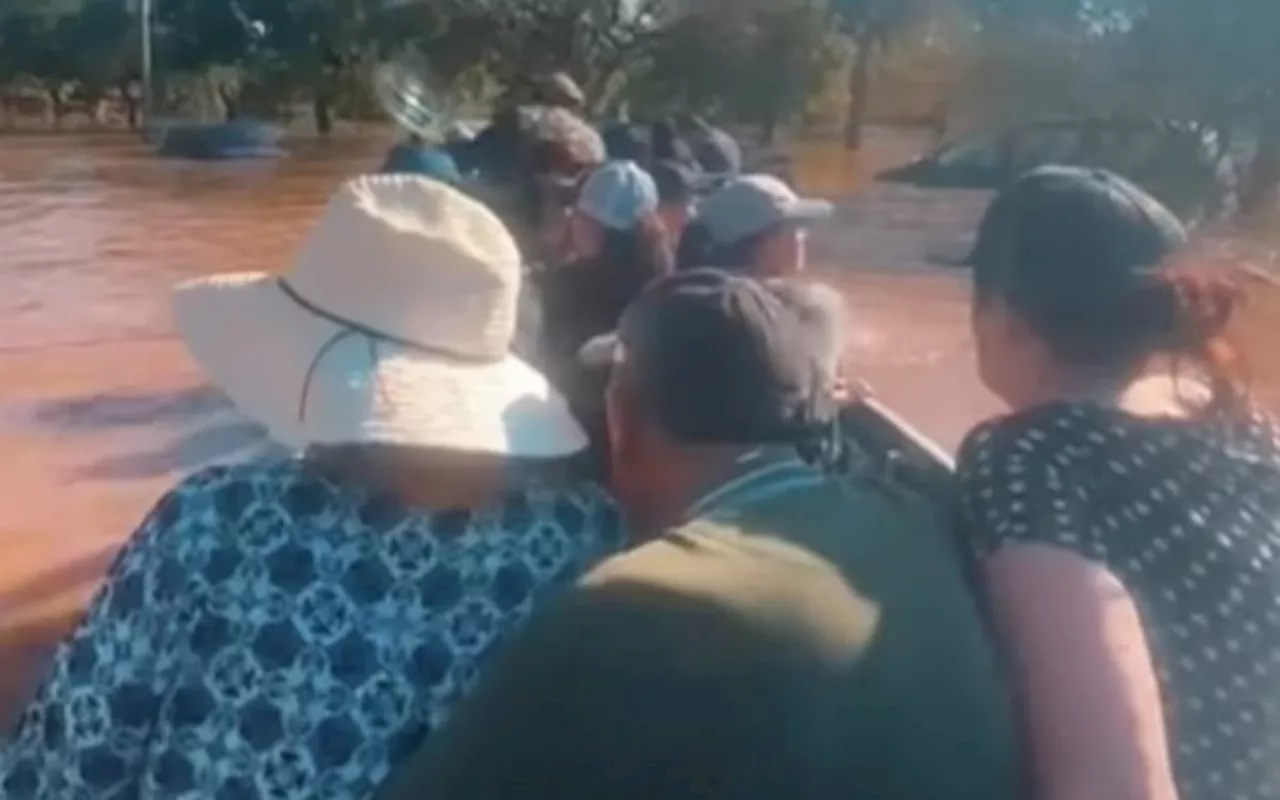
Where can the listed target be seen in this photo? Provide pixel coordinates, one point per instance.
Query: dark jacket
(811, 643)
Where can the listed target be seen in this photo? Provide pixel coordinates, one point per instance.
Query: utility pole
(144, 30)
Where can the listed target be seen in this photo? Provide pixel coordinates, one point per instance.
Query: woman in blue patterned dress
(291, 628)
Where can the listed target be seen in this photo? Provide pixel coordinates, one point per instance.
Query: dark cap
(719, 359)
(561, 131)
(717, 152)
(1074, 228)
(532, 140)
(626, 142)
(676, 182)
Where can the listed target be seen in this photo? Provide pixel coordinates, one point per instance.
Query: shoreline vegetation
(835, 66)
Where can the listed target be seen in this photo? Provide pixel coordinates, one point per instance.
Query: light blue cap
(618, 195)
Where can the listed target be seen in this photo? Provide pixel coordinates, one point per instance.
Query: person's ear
(841, 392)
(621, 414)
(1011, 357)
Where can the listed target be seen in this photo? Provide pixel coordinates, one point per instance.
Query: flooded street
(100, 409)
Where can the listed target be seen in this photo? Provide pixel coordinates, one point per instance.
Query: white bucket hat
(394, 326)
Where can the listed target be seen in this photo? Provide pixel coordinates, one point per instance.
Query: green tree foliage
(1212, 64)
(260, 55)
(81, 46)
(873, 25)
(596, 41)
(37, 38)
(713, 60)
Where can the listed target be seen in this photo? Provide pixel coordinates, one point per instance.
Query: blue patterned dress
(266, 634)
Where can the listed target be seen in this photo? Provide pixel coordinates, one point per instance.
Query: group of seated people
(432, 599)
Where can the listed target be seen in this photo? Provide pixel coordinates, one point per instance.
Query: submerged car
(1186, 167)
(231, 140)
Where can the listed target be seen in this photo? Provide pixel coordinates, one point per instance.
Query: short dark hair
(716, 358)
(675, 182)
(626, 142)
(698, 248)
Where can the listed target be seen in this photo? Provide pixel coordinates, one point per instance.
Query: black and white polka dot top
(1187, 516)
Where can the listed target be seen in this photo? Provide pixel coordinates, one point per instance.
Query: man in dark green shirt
(777, 634)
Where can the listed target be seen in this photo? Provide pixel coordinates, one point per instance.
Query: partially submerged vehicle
(1186, 166)
(234, 139)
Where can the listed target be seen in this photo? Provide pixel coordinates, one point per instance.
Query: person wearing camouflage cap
(559, 89)
(528, 163)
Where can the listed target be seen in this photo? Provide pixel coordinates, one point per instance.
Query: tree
(873, 25)
(695, 63)
(791, 36)
(709, 60)
(1220, 66)
(593, 40)
(1213, 65)
(87, 46)
(101, 48)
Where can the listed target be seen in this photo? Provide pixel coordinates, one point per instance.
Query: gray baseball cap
(752, 204)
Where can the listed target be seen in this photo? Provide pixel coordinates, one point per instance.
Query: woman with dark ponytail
(1127, 512)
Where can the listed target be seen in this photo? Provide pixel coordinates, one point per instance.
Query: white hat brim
(807, 209)
(265, 351)
(600, 351)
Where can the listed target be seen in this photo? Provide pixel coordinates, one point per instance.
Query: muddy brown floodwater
(100, 408)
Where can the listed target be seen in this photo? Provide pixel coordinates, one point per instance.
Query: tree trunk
(859, 93)
(938, 120)
(323, 113)
(230, 104)
(1262, 182)
(769, 131)
(132, 108)
(57, 106)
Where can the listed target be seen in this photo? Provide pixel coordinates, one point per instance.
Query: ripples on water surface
(95, 233)
(100, 409)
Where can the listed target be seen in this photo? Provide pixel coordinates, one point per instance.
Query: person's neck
(439, 494)
(1156, 392)
(693, 476)
(433, 487)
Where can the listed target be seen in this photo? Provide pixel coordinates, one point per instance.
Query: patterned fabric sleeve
(85, 732)
(1012, 489)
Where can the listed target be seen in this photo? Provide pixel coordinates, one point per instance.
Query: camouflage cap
(560, 141)
(558, 89)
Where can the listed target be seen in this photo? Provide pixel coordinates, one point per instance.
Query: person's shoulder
(818, 514)
(748, 580)
(1029, 477)
(582, 512)
(585, 495)
(208, 483)
(1021, 430)
(1046, 437)
(722, 137)
(1255, 432)
(226, 492)
(202, 503)
(1079, 433)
